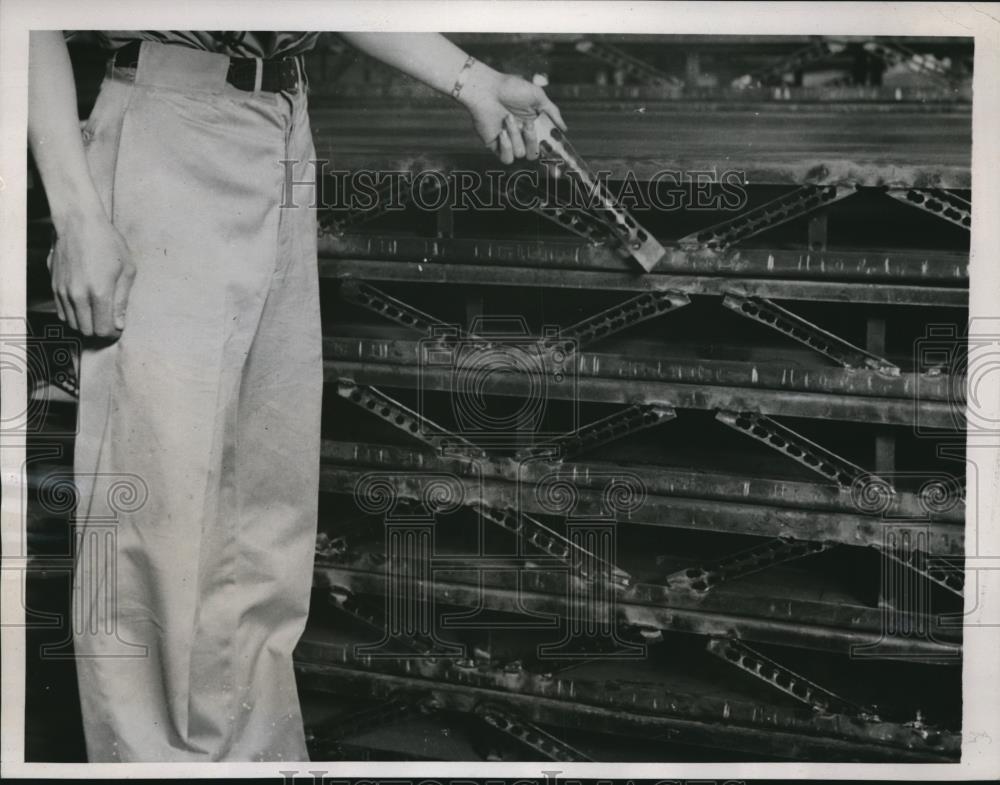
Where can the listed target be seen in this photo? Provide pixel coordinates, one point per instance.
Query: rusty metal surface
(937, 266)
(630, 708)
(715, 515)
(679, 363)
(687, 482)
(751, 615)
(513, 275)
(886, 411)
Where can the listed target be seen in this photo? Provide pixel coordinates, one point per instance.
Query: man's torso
(233, 43)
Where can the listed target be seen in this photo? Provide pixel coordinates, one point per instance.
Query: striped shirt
(234, 44)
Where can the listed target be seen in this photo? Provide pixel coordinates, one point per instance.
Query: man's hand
(92, 273)
(503, 109)
(91, 267)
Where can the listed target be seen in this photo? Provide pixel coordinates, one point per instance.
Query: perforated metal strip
(529, 734)
(647, 305)
(817, 51)
(556, 151)
(799, 202)
(778, 676)
(615, 426)
(932, 568)
(339, 223)
(374, 299)
(798, 329)
(348, 604)
(410, 422)
(704, 578)
(639, 70)
(579, 222)
(537, 534)
(936, 201)
(795, 446)
(894, 54)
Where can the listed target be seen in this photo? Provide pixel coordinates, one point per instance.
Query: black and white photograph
(589, 388)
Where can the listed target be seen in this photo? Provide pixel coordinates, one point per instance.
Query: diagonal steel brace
(815, 52)
(529, 734)
(795, 446)
(630, 420)
(643, 72)
(407, 420)
(799, 202)
(635, 310)
(893, 53)
(535, 533)
(778, 676)
(374, 299)
(704, 578)
(579, 222)
(936, 201)
(332, 223)
(798, 329)
(347, 604)
(935, 569)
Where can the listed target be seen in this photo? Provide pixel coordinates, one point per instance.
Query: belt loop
(258, 77)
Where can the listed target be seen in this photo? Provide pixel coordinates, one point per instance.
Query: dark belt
(278, 74)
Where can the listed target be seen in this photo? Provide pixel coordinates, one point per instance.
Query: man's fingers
(81, 319)
(100, 310)
(553, 111)
(60, 308)
(514, 132)
(530, 141)
(122, 289)
(506, 147)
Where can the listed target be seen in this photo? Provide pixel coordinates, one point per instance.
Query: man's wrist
(71, 207)
(480, 81)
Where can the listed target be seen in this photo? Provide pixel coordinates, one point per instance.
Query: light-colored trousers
(197, 457)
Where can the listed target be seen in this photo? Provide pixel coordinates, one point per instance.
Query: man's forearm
(54, 130)
(429, 57)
